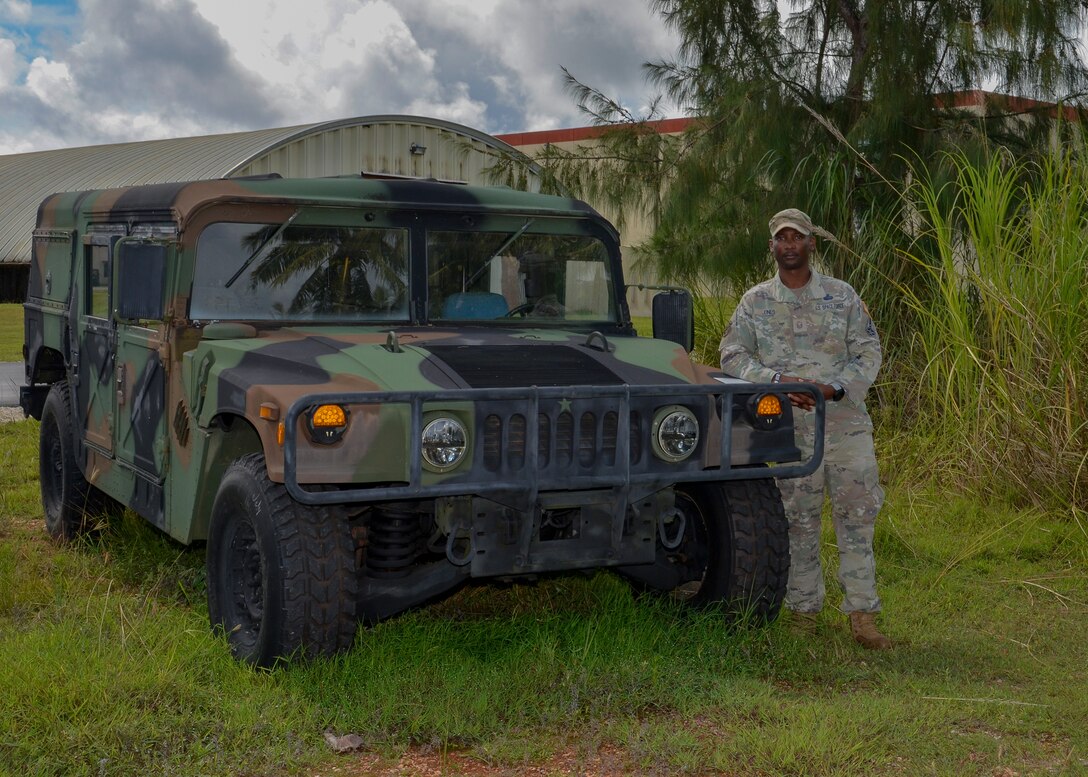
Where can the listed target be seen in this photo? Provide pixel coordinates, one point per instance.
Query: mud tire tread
(307, 569)
(748, 535)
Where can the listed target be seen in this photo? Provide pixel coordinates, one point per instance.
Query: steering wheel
(521, 311)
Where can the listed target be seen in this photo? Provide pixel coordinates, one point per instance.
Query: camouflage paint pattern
(822, 333)
(166, 405)
(850, 479)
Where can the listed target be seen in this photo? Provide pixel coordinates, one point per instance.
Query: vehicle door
(139, 399)
(94, 357)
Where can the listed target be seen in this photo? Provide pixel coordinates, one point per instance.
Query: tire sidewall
(63, 499)
(241, 501)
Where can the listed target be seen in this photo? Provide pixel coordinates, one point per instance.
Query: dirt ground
(429, 762)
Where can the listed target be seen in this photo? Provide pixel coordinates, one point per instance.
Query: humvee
(362, 393)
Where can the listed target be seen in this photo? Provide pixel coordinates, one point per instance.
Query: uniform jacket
(821, 332)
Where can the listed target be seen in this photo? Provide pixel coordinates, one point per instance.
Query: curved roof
(396, 145)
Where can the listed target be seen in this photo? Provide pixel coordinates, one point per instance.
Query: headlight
(675, 433)
(327, 424)
(444, 444)
(765, 410)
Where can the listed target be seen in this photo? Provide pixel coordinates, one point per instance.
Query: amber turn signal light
(765, 411)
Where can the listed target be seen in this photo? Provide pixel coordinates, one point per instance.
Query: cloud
(515, 51)
(162, 58)
(15, 10)
(141, 69)
(10, 63)
(337, 59)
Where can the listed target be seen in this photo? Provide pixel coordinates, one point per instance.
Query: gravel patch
(9, 414)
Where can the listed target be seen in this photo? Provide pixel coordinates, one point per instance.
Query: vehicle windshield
(273, 272)
(522, 271)
(518, 275)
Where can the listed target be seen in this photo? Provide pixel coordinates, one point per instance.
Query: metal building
(395, 145)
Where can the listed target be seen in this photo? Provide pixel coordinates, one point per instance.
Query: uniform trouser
(850, 479)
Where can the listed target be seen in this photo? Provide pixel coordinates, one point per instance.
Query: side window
(98, 280)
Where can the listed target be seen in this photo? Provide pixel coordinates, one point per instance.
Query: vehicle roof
(177, 201)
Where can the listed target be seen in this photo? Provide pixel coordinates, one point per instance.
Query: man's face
(791, 249)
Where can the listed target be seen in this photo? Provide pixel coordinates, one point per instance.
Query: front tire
(735, 551)
(67, 497)
(281, 576)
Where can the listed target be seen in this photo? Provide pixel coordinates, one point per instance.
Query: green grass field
(109, 666)
(11, 332)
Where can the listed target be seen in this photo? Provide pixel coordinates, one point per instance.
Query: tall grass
(996, 360)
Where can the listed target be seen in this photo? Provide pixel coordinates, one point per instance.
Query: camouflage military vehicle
(362, 393)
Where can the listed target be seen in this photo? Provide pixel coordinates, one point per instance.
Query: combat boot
(863, 627)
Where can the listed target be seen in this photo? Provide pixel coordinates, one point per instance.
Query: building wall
(637, 226)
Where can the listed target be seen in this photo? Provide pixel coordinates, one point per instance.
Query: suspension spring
(394, 541)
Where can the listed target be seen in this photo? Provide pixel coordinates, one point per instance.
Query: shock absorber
(394, 540)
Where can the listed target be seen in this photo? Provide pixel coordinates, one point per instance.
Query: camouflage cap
(791, 217)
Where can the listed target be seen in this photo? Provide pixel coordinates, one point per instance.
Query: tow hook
(460, 553)
(675, 521)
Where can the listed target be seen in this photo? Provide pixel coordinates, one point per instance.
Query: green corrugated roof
(27, 179)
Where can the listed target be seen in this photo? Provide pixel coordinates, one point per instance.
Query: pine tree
(819, 104)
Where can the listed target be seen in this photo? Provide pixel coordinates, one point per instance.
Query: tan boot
(863, 627)
(804, 624)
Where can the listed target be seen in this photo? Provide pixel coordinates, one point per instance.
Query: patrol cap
(791, 217)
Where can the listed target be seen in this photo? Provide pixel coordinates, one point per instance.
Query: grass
(109, 666)
(11, 332)
(981, 280)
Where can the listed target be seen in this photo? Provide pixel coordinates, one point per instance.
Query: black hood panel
(511, 366)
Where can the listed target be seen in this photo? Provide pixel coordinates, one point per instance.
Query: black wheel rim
(245, 596)
(692, 556)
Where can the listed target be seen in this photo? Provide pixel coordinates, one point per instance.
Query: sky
(85, 72)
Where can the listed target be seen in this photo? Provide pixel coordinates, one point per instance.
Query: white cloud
(10, 63)
(138, 69)
(16, 10)
(51, 82)
(321, 59)
(458, 107)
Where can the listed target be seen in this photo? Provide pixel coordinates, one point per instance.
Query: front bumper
(576, 438)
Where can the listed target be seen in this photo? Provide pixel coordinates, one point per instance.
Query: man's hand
(804, 400)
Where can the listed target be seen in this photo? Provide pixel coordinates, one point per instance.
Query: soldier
(802, 326)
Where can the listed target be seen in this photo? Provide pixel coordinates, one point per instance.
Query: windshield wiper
(498, 252)
(512, 238)
(260, 249)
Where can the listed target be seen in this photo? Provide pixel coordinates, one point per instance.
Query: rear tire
(68, 499)
(735, 552)
(281, 576)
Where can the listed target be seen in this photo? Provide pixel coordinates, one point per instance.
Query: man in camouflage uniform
(802, 326)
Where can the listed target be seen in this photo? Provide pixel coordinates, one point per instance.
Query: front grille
(557, 432)
(563, 439)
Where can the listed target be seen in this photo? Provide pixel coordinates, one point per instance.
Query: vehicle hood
(239, 374)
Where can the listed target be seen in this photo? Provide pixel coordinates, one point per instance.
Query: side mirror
(140, 280)
(674, 317)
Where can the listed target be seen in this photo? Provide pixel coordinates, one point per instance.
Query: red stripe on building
(575, 134)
